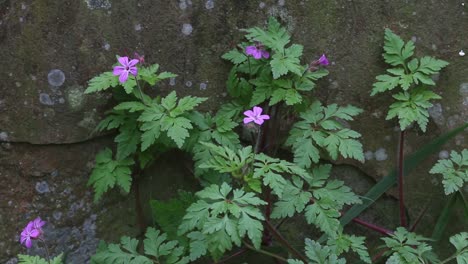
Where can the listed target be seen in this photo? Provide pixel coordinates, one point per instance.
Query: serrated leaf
(108, 172)
(393, 49)
(235, 56)
(453, 170)
(324, 216)
(26, 259)
(102, 82)
(275, 37)
(460, 241)
(385, 83)
(345, 243)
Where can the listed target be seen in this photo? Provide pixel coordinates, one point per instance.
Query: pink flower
(255, 116)
(140, 58)
(258, 51)
(38, 224)
(126, 68)
(28, 234)
(323, 60)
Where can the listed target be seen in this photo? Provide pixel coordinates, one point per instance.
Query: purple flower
(255, 115)
(38, 224)
(323, 60)
(28, 234)
(126, 68)
(258, 51)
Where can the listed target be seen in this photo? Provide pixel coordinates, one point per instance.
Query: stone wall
(50, 48)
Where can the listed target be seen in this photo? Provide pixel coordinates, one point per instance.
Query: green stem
(46, 249)
(265, 252)
(454, 256)
(140, 91)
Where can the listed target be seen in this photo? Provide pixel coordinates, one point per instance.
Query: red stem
(284, 242)
(373, 227)
(235, 254)
(401, 157)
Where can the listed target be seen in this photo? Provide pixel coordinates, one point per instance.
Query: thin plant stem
(46, 249)
(373, 227)
(423, 212)
(454, 256)
(265, 252)
(138, 208)
(378, 256)
(284, 242)
(401, 158)
(139, 90)
(235, 254)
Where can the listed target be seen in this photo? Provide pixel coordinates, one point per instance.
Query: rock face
(49, 50)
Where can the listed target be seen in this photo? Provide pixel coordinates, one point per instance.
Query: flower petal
(249, 113)
(257, 54)
(323, 60)
(257, 111)
(258, 121)
(265, 54)
(132, 63)
(248, 120)
(34, 233)
(133, 71)
(264, 117)
(123, 61)
(28, 243)
(250, 50)
(123, 76)
(118, 70)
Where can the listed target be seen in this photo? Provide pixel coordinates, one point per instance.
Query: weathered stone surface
(49, 50)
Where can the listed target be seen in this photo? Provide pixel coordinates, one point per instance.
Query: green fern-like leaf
(460, 242)
(155, 246)
(454, 171)
(275, 37)
(26, 259)
(170, 116)
(320, 129)
(412, 107)
(235, 56)
(396, 51)
(408, 248)
(108, 172)
(294, 199)
(225, 159)
(270, 170)
(223, 216)
(102, 82)
(345, 243)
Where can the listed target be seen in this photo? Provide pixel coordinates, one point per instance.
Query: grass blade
(388, 181)
(444, 217)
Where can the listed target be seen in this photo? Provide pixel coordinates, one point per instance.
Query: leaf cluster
(412, 76)
(322, 128)
(280, 78)
(408, 248)
(26, 259)
(109, 172)
(453, 170)
(319, 198)
(157, 249)
(221, 218)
